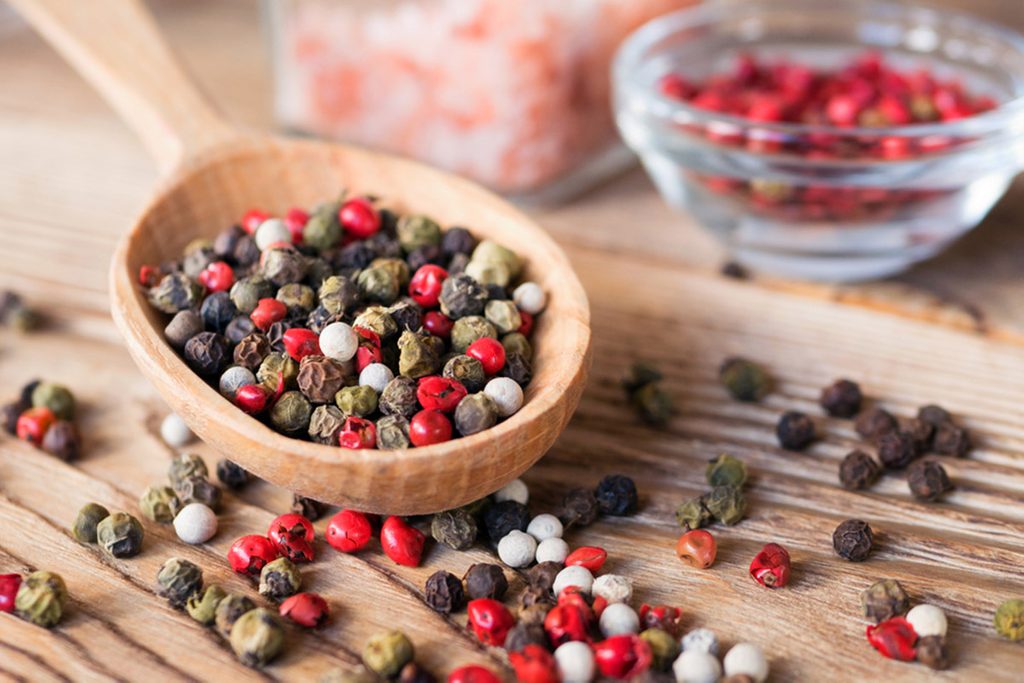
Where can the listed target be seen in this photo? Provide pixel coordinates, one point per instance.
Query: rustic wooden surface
(72, 178)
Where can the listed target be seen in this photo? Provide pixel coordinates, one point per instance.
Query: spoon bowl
(213, 175)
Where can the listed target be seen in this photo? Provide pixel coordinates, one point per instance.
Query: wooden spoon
(213, 173)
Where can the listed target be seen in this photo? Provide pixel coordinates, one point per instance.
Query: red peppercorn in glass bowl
(822, 139)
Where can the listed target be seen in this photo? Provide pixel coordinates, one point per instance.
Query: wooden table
(950, 331)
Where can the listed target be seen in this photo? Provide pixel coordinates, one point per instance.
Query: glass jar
(514, 94)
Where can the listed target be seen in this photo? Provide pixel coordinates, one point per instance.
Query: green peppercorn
(693, 514)
(325, 423)
(504, 315)
(120, 535)
(291, 412)
(199, 490)
(467, 370)
(664, 648)
(179, 580)
(407, 314)
(175, 292)
(387, 652)
(159, 504)
(744, 379)
(1009, 619)
(359, 401)
(399, 397)
(398, 268)
(516, 342)
(248, 291)
(726, 470)
(257, 637)
(489, 272)
(322, 231)
(274, 368)
(377, 320)
(84, 528)
(338, 294)
(41, 599)
(203, 607)
(55, 397)
(456, 529)
(726, 504)
(229, 610)
(492, 252)
(280, 579)
(378, 284)
(475, 413)
(393, 433)
(417, 231)
(652, 404)
(184, 466)
(282, 265)
(417, 356)
(467, 330)
(300, 299)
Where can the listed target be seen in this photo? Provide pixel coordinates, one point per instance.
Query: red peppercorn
(249, 554)
(428, 427)
(623, 656)
(588, 556)
(894, 638)
(358, 217)
(306, 609)
(440, 393)
(217, 277)
(534, 664)
(472, 674)
(252, 219)
(33, 423)
(292, 535)
(401, 542)
(296, 220)
(367, 355)
(251, 398)
(357, 433)
(569, 622)
(697, 548)
(425, 285)
(770, 567)
(148, 275)
(438, 324)
(349, 531)
(267, 312)
(489, 352)
(300, 342)
(526, 326)
(9, 585)
(491, 621)
(669, 619)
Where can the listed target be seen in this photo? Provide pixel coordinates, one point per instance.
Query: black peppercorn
(62, 440)
(217, 311)
(407, 314)
(275, 335)
(579, 508)
(231, 475)
(523, 634)
(931, 651)
(951, 440)
(454, 528)
(444, 593)
(414, 673)
(461, 295)
(9, 416)
(896, 450)
(240, 327)
(795, 430)
(874, 423)
(841, 399)
(534, 597)
(616, 495)
(503, 517)
(934, 415)
(852, 540)
(208, 353)
(517, 368)
(858, 470)
(920, 431)
(226, 240)
(421, 256)
(457, 241)
(308, 508)
(485, 581)
(928, 480)
(542, 576)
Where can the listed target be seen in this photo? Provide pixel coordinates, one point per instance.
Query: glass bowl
(817, 201)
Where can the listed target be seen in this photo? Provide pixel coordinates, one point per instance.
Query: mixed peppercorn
(354, 326)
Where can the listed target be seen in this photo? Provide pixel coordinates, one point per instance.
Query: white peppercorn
(233, 379)
(701, 640)
(618, 619)
(339, 342)
(613, 588)
(543, 527)
(376, 376)
(530, 298)
(928, 620)
(514, 490)
(175, 432)
(748, 659)
(270, 231)
(573, 576)
(552, 549)
(575, 661)
(506, 394)
(196, 523)
(695, 666)
(517, 549)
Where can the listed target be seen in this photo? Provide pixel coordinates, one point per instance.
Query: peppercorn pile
(354, 326)
(43, 415)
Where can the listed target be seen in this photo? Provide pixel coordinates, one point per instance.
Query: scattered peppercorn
(203, 606)
(883, 600)
(841, 398)
(280, 579)
(306, 609)
(928, 480)
(485, 581)
(402, 542)
(41, 599)
(579, 508)
(257, 637)
(951, 440)
(795, 430)
(771, 566)
(456, 529)
(229, 610)
(231, 474)
(159, 504)
(88, 518)
(616, 495)
(444, 593)
(858, 470)
(120, 535)
(386, 653)
(308, 508)
(897, 449)
(744, 379)
(1009, 619)
(725, 504)
(852, 540)
(643, 390)
(874, 423)
(931, 651)
(179, 581)
(894, 638)
(62, 441)
(503, 517)
(726, 470)
(697, 548)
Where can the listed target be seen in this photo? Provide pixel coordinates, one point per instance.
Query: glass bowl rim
(630, 57)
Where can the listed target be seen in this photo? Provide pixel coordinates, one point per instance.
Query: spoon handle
(117, 47)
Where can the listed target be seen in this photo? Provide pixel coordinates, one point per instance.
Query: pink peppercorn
(306, 609)
(771, 566)
(428, 427)
(148, 275)
(590, 557)
(438, 324)
(401, 542)
(295, 220)
(252, 219)
(623, 656)
(491, 621)
(33, 423)
(357, 433)
(472, 674)
(489, 352)
(425, 285)
(292, 535)
(217, 277)
(300, 342)
(358, 217)
(267, 312)
(349, 531)
(534, 664)
(9, 585)
(440, 393)
(249, 554)
(251, 398)
(894, 638)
